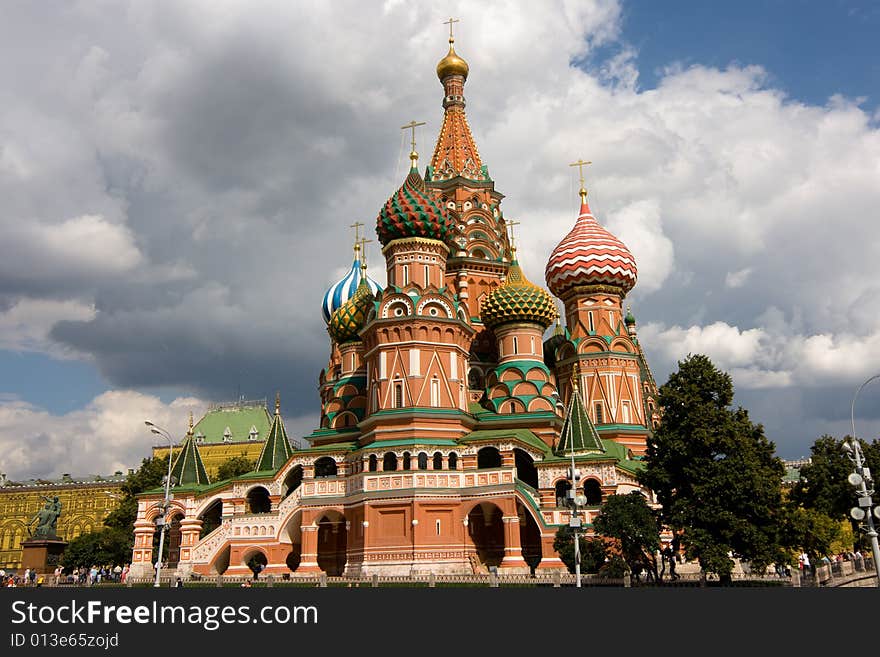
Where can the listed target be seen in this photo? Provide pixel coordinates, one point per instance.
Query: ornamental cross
(357, 233)
(363, 242)
(580, 165)
(412, 125)
(450, 22)
(511, 225)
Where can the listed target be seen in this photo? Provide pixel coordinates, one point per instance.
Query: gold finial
(450, 23)
(512, 237)
(575, 375)
(583, 190)
(278, 400)
(412, 125)
(364, 242)
(357, 236)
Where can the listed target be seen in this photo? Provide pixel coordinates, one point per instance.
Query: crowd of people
(73, 576)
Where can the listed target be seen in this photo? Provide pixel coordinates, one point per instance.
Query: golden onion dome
(518, 300)
(452, 64)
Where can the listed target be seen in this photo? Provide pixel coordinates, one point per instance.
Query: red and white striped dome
(590, 255)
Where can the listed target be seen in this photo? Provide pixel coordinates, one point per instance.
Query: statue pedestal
(42, 554)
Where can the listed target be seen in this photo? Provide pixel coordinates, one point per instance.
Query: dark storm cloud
(190, 170)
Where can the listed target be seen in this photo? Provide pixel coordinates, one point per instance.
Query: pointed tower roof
(276, 449)
(455, 153)
(578, 433)
(188, 468)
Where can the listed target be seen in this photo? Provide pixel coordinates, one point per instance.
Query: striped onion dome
(590, 255)
(342, 290)
(518, 300)
(350, 317)
(412, 212)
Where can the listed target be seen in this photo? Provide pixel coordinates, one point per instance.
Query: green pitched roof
(188, 467)
(276, 449)
(578, 432)
(239, 418)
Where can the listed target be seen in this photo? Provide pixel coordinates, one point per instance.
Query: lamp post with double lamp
(864, 484)
(161, 521)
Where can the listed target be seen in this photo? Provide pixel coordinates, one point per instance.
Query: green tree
(593, 550)
(809, 530)
(233, 467)
(822, 485)
(105, 547)
(714, 472)
(150, 475)
(630, 520)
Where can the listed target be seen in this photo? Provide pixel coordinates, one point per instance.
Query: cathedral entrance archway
(221, 563)
(529, 537)
(211, 518)
(486, 531)
(332, 543)
(294, 531)
(256, 560)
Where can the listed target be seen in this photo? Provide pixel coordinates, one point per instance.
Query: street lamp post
(161, 522)
(862, 480)
(576, 501)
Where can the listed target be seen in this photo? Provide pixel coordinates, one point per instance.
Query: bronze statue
(47, 518)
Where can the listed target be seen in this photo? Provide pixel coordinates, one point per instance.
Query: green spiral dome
(411, 212)
(518, 300)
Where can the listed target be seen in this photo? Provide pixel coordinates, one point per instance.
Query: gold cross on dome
(364, 241)
(357, 234)
(510, 226)
(580, 165)
(412, 125)
(450, 22)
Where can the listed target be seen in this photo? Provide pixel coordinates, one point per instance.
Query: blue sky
(811, 49)
(178, 179)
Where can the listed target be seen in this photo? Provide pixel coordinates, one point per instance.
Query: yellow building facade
(84, 505)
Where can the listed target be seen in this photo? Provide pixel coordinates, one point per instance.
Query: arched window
(525, 468)
(423, 461)
(293, 480)
(562, 488)
(325, 467)
(407, 461)
(600, 416)
(258, 500)
(512, 408)
(389, 462)
(593, 492)
(515, 345)
(405, 274)
(435, 392)
(453, 461)
(374, 463)
(398, 394)
(488, 457)
(438, 461)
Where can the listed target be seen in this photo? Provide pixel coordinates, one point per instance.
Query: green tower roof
(276, 449)
(188, 467)
(578, 432)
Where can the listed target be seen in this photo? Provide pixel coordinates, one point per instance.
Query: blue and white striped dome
(342, 291)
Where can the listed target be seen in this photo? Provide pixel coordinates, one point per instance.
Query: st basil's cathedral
(448, 421)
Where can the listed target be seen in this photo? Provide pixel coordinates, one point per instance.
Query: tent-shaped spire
(188, 467)
(578, 433)
(276, 449)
